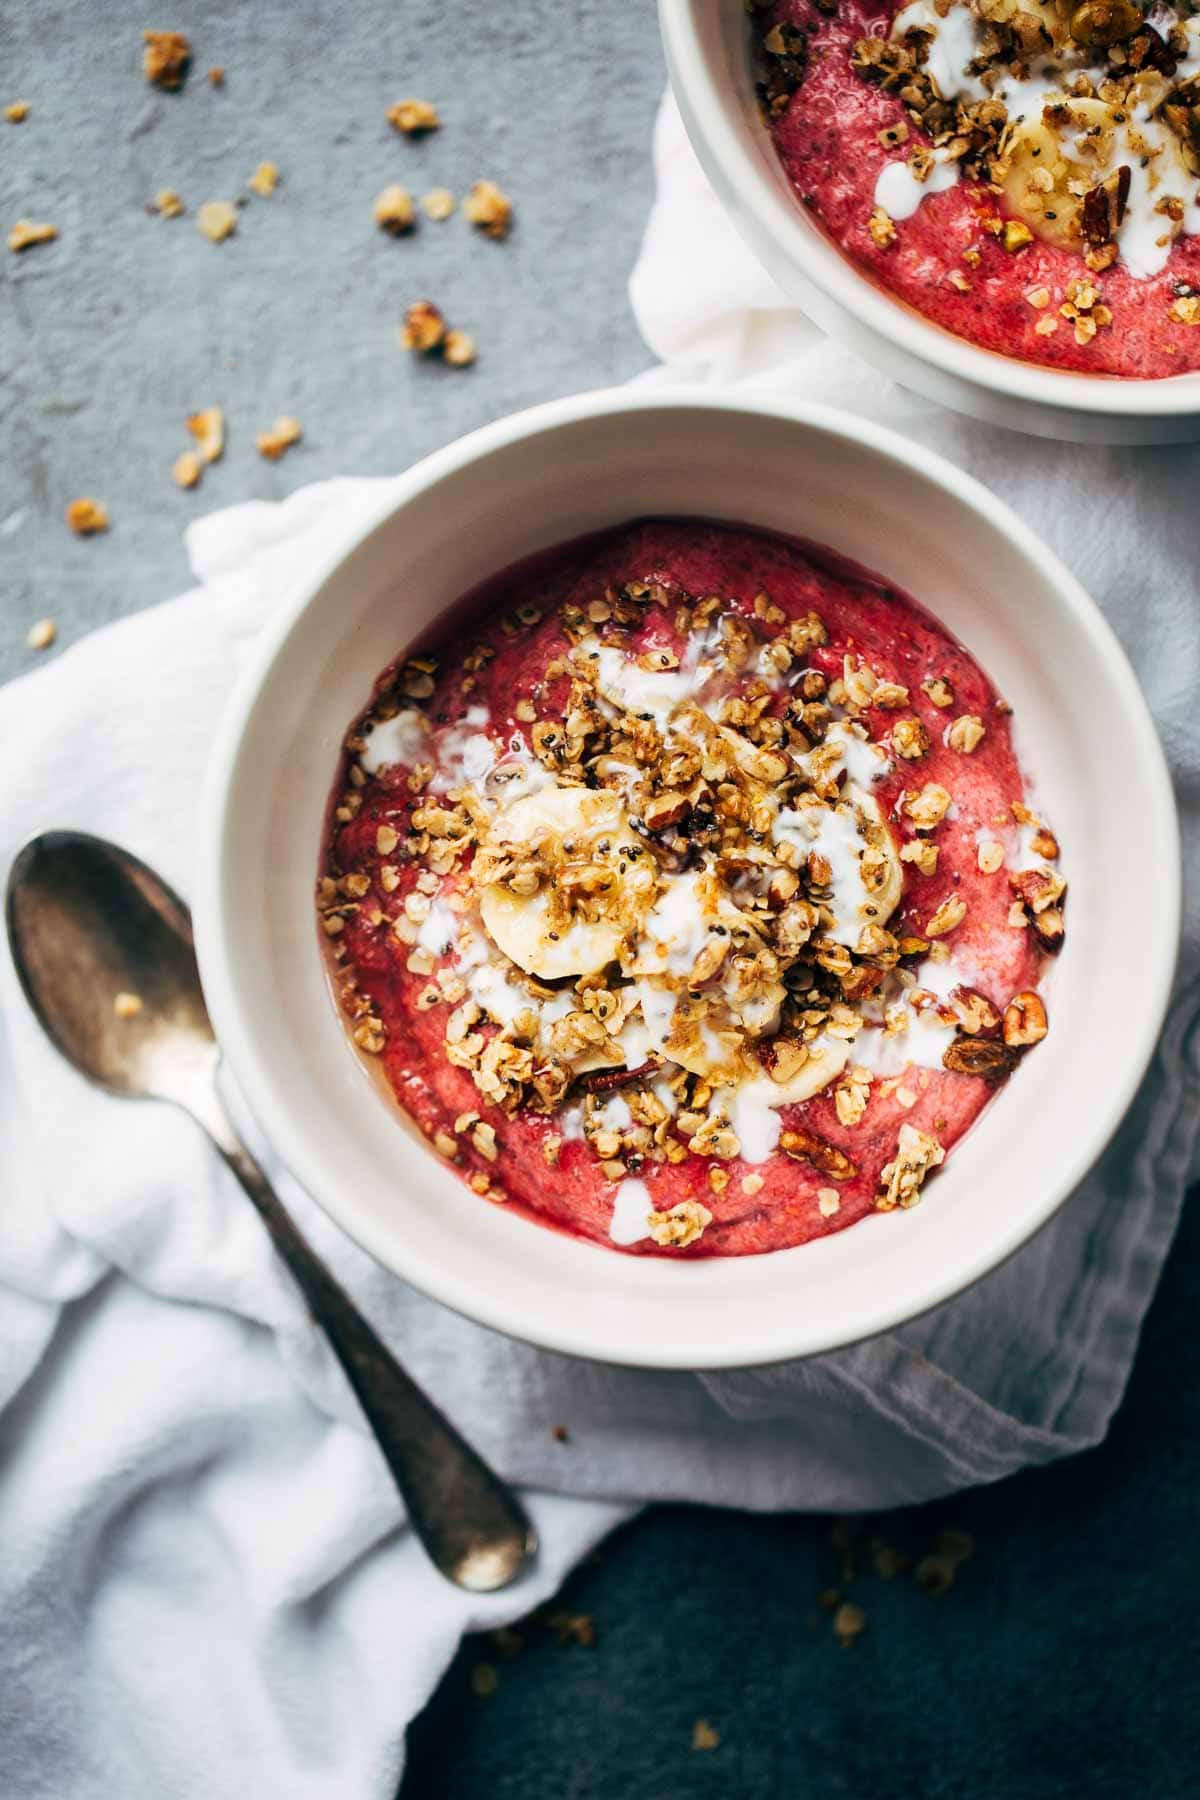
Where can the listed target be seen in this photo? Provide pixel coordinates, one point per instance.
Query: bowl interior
(572, 468)
(708, 52)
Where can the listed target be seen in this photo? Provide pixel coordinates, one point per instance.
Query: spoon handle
(470, 1522)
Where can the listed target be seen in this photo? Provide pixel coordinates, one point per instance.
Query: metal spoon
(88, 922)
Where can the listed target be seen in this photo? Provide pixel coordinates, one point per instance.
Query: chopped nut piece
(424, 327)
(283, 434)
(127, 1006)
(208, 429)
(1185, 310)
(805, 1146)
(265, 179)
(921, 852)
(438, 204)
(86, 517)
(990, 857)
(17, 111)
(458, 349)
(386, 839)
(27, 232)
(394, 211)
(1038, 298)
(42, 635)
(1025, 1020)
(881, 228)
(890, 695)
(916, 1153)
(680, 1225)
(484, 1139)
(185, 470)
(704, 1737)
(413, 117)
(829, 1201)
(166, 57)
(951, 913)
(938, 690)
(167, 203)
(489, 209)
(928, 808)
(966, 734)
(217, 219)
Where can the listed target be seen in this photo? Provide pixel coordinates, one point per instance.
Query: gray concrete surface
(112, 335)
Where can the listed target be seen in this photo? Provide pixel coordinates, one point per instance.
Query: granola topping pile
(658, 911)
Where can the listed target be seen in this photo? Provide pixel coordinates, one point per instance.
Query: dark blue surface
(1061, 1662)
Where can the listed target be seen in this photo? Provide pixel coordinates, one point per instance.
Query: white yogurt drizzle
(954, 42)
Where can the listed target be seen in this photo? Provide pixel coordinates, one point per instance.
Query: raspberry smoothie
(685, 887)
(1025, 173)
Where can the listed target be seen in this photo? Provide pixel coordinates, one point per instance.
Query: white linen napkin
(206, 1588)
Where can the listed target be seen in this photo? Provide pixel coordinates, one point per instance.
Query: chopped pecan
(1025, 1020)
(1104, 206)
(806, 1146)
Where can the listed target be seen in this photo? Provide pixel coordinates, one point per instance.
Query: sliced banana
(826, 1060)
(864, 863)
(882, 873)
(1046, 177)
(573, 825)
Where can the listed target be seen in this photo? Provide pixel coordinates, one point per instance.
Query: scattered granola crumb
(424, 327)
(829, 1201)
(561, 1435)
(42, 635)
(573, 1628)
(168, 204)
(849, 1622)
(27, 232)
(489, 209)
(265, 179)
(165, 59)
(990, 857)
(1038, 298)
(936, 1572)
(680, 1225)
(217, 219)
(1185, 310)
(484, 1680)
(283, 434)
(394, 210)
(704, 1737)
(752, 1183)
(413, 117)
(1047, 326)
(86, 517)
(17, 112)
(216, 76)
(458, 349)
(186, 469)
(881, 228)
(966, 734)
(438, 204)
(127, 1006)
(1016, 236)
(208, 429)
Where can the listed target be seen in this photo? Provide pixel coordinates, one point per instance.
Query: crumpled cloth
(206, 1586)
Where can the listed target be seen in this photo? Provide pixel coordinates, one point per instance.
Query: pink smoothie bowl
(1085, 737)
(708, 51)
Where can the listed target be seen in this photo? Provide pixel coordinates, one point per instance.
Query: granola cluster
(670, 898)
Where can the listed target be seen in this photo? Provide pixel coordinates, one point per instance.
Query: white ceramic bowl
(707, 45)
(534, 480)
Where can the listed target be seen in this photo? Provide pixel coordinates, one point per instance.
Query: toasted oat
(829, 1202)
(168, 204)
(752, 1183)
(1047, 326)
(489, 209)
(909, 738)
(680, 1225)
(939, 690)
(208, 429)
(1185, 309)
(217, 220)
(27, 232)
(424, 327)
(264, 180)
(41, 635)
(127, 1006)
(928, 808)
(438, 204)
(966, 733)
(851, 1095)
(166, 57)
(917, 1152)
(283, 434)
(1038, 298)
(949, 915)
(17, 112)
(394, 211)
(921, 852)
(458, 349)
(990, 856)
(413, 117)
(881, 228)
(1016, 236)
(87, 517)
(186, 469)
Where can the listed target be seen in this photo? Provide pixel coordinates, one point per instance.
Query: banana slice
(882, 873)
(864, 863)
(572, 827)
(826, 1060)
(1043, 166)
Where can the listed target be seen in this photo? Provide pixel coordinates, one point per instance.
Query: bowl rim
(270, 1103)
(706, 106)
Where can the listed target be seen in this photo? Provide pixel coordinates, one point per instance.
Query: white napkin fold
(206, 1588)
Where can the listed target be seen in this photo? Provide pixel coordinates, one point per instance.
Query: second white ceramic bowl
(707, 44)
(543, 477)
